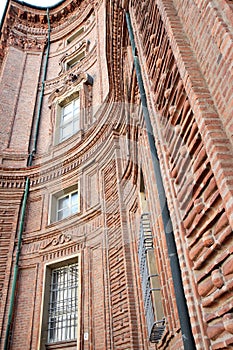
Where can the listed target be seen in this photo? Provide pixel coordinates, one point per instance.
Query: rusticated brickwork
(7, 224)
(208, 25)
(185, 52)
(206, 229)
(117, 278)
(23, 310)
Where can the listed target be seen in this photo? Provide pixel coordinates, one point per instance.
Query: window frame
(75, 60)
(60, 116)
(55, 197)
(43, 343)
(75, 35)
(70, 206)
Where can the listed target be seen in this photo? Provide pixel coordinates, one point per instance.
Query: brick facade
(184, 49)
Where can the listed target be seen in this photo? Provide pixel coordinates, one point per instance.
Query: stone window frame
(48, 268)
(76, 34)
(75, 60)
(73, 86)
(72, 58)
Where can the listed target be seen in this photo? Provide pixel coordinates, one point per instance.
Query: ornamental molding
(55, 241)
(36, 17)
(82, 46)
(72, 83)
(39, 246)
(24, 42)
(58, 82)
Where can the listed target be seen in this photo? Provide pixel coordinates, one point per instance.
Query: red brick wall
(185, 70)
(208, 26)
(192, 151)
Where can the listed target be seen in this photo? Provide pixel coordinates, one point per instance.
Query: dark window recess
(150, 282)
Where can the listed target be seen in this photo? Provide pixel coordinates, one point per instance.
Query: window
(63, 303)
(67, 205)
(75, 60)
(75, 35)
(64, 203)
(60, 321)
(70, 119)
(150, 282)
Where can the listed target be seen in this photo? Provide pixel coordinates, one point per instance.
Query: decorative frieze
(25, 42)
(46, 244)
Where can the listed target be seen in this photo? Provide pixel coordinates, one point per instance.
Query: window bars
(63, 305)
(150, 282)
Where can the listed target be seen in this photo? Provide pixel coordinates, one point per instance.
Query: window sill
(69, 344)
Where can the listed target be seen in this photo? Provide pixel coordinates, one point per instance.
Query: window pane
(63, 213)
(67, 205)
(76, 103)
(63, 202)
(69, 123)
(67, 131)
(74, 198)
(74, 202)
(67, 118)
(67, 109)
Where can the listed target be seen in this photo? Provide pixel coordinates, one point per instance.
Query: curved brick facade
(82, 69)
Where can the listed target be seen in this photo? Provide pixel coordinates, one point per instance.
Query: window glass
(67, 205)
(69, 122)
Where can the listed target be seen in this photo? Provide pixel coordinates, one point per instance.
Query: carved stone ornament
(26, 43)
(71, 84)
(58, 240)
(80, 47)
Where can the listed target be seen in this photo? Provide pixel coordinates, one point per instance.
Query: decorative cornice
(115, 46)
(69, 85)
(24, 42)
(22, 21)
(58, 82)
(81, 153)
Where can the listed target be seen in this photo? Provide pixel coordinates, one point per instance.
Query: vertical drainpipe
(187, 335)
(25, 197)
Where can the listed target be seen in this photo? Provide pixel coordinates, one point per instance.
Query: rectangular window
(67, 205)
(75, 35)
(70, 119)
(63, 304)
(64, 203)
(76, 60)
(60, 321)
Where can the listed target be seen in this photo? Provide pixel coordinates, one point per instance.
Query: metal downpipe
(24, 201)
(34, 146)
(187, 336)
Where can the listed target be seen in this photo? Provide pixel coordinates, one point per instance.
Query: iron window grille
(70, 119)
(150, 282)
(63, 304)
